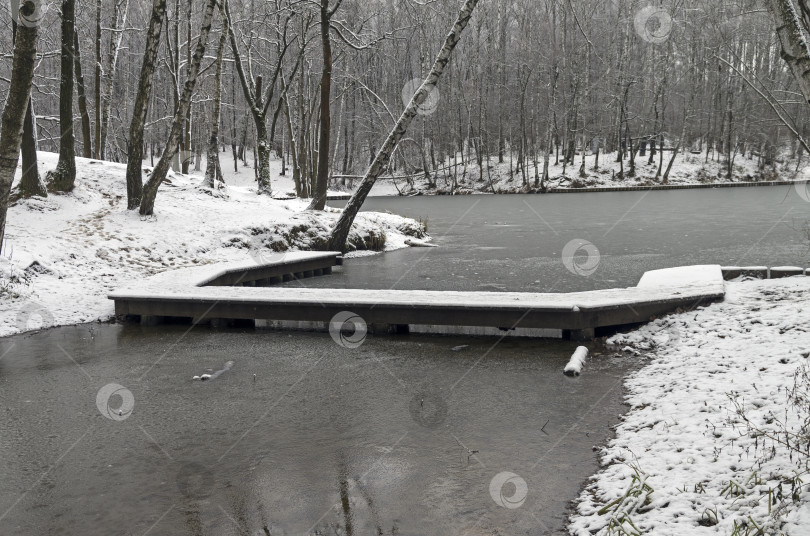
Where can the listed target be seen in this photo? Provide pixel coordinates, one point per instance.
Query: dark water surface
(325, 440)
(403, 435)
(514, 242)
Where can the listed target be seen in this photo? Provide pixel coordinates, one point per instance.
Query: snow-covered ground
(684, 458)
(64, 254)
(688, 169)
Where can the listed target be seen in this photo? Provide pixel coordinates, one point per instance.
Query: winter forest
(531, 81)
(339, 267)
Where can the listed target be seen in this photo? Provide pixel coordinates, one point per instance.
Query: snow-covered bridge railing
(200, 294)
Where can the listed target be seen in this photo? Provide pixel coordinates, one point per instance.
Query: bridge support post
(583, 335)
(151, 320)
(389, 329)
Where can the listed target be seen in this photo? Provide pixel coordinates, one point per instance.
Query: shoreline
(589, 190)
(708, 383)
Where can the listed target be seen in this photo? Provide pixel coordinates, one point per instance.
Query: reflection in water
(325, 441)
(400, 436)
(344, 497)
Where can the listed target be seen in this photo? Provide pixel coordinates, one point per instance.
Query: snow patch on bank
(682, 432)
(65, 253)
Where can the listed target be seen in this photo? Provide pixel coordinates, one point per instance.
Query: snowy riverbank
(688, 169)
(64, 254)
(698, 467)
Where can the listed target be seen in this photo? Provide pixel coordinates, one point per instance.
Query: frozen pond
(325, 440)
(515, 242)
(406, 435)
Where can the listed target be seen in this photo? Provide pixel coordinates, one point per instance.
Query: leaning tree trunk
(792, 36)
(339, 235)
(63, 178)
(136, 128)
(19, 92)
(178, 124)
(30, 182)
(213, 171)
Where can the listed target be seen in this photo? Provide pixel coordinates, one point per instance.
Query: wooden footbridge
(245, 291)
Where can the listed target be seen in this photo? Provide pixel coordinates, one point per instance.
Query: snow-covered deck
(202, 293)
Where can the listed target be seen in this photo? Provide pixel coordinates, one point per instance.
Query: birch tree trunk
(87, 144)
(136, 128)
(63, 178)
(117, 25)
(554, 74)
(30, 183)
(294, 154)
(19, 92)
(339, 235)
(178, 124)
(186, 140)
(97, 86)
(213, 171)
(793, 37)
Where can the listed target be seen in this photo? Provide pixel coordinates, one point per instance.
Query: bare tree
(87, 144)
(144, 92)
(118, 21)
(258, 99)
(19, 92)
(30, 183)
(162, 168)
(339, 235)
(793, 37)
(322, 180)
(63, 178)
(213, 171)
